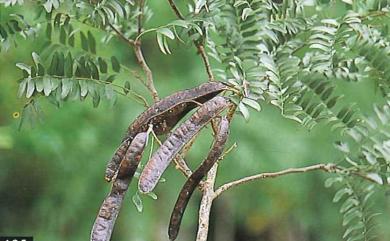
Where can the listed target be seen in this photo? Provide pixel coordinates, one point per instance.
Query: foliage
(284, 53)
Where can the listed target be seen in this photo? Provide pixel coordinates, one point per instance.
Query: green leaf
(84, 41)
(83, 88)
(3, 33)
(180, 23)
(115, 64)
(47, 85)
(245, 13)
(22, 87)
(62, 35)
(102, 65)
(36, 58)
(137, 202)
(109, 92)
(66, 87)
(152, 195)
(48, 31)
(127, 87)
(94, 70)
(41, 70)
(351, 215)
(30, 88)
(68, 65)
(39, 85)
(57, 20)
(357, 226)
(160, 42)
(110, 78)
(25, 67)
(349, 203)
(332, 180)
(96, 101)
(244, 111)
(340, 193)
(252, 103)
(91, 42)
(166, 32)
(166, 45)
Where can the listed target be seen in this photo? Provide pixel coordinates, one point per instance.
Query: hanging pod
(164, 115)
(177, 140)
(109, 210)
(194, 180)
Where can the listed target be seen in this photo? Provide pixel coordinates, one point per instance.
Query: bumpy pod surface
(164, 115)
(109, 210)
(177, 140)
(194, 180)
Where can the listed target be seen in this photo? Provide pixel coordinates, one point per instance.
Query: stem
(206, 203)
(206, 61)
(199, 46)
(175, 9)
(149, 76)
(140, 57)
(324, 167)
(121, 35)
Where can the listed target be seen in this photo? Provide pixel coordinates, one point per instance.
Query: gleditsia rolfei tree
(285, 53)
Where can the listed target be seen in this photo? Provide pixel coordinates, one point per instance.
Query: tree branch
(199, 46)
(206, 203)
(175, 9)
(206, 61)
(324, 167)
(121, 35)
(149, 76)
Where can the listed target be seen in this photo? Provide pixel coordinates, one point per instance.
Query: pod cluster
(163, 116)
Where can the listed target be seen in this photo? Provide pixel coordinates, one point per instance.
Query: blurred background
(51, 173)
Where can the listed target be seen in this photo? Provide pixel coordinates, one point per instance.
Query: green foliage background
(51, 174)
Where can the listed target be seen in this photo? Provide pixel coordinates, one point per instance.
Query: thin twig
(140, 57)
(206, 61)
(140, 16)
(121, 35)
(206, 203)
(199, 46)
(149, 76)
(175, 9)
(209, 193)
(227, 186)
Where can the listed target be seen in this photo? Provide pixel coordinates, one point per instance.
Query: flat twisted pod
(164, 115)
(177, 140)
(194, 180)
(109, 210)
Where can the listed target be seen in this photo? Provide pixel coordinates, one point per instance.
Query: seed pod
(109, 210)
(164, 115)
(194, 180)
(177, 140)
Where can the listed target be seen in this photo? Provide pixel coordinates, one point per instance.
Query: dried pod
(196, 177)
(109, 210)
(177, 140)
(164, 115)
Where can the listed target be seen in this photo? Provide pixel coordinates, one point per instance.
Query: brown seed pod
(109, 210)
(194, 180)
(177, 140)
(164, 115)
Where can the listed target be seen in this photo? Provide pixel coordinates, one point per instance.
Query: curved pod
(177, 140)
(164, 115)
(109, 210)
(194, 180)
